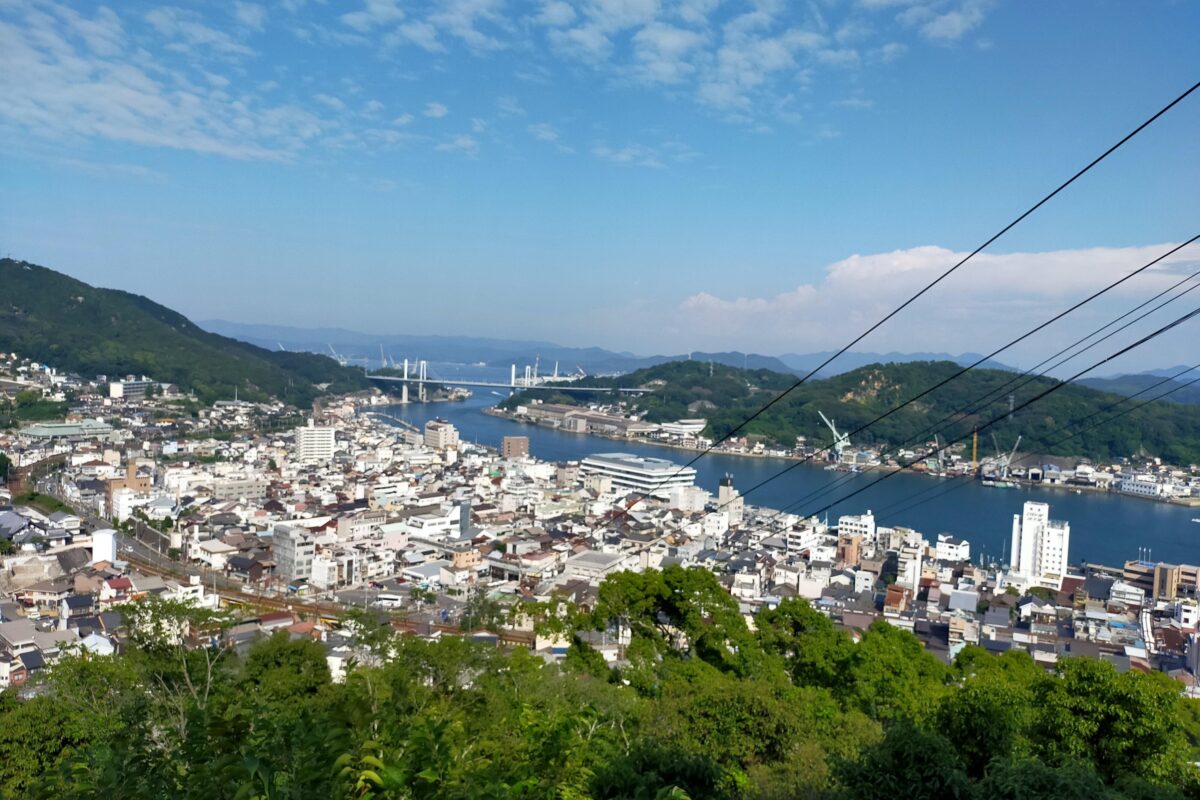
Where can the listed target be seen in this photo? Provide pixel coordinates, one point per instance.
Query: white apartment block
(1040, 545)
(315, 444)
(293, 549)
(440, 435)
(862, 525)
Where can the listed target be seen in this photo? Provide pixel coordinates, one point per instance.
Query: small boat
(1195, 519)
(998, 483)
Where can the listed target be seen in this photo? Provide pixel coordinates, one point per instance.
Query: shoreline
(1193, 502)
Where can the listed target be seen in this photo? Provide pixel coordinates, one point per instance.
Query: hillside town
(290, 520)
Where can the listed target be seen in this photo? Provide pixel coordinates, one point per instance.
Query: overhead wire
(1045, 393)
(929, 390)
(920, 293)
(960, 482)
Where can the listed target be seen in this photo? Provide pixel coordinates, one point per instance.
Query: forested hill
(727, 395)
(53, 318)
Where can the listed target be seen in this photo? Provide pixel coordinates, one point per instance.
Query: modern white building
(104, 545)
(1141, 485)
(1040, 546)
(952, 548)
(653, 476)
(862, 525)
(314, 443)
(440, 435)
(293, 549)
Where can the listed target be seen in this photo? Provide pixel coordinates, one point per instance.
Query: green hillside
(726, 396)
(53, 318)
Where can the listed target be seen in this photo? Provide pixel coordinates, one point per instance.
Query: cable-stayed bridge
(529, 380)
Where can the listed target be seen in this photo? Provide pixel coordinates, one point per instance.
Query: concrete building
(441, 435)
(731, 502)
(952, 548)
(104, 545)
(652, 476)
(315, 443)
(1040, 546)
(862, 525)
(293, 549)
(514, 447)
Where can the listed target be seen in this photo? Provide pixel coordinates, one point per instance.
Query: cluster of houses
(351, 508)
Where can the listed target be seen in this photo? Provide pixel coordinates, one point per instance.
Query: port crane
(1006, 463)
(840, 440)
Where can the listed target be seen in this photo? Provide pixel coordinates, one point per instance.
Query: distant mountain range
(1128, 385)
(364, 348)
(53, 318)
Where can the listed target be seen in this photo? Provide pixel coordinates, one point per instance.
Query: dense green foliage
(55, 319)
(726, 396)
(706, 708)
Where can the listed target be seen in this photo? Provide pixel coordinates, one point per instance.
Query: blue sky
(638, 174)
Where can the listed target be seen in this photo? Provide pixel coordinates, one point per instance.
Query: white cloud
(509, 106)
(435, 110)
(952, 25)
(373, 14)
(64, 85)
(188, 34)
(979, 307)
(329, 101)
(543, 132)
(633, 155)
(402, 120)
(856, 103)
(462, 143)
(373, 107)
(251, 15)
(663, 52)
(422, 34)
(555, 14)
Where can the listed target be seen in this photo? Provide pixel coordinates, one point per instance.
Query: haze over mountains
(364, 348)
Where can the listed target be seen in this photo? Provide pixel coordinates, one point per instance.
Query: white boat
(1195, 519)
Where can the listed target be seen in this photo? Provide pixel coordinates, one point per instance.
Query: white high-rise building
(314, 443)
(1040, 546)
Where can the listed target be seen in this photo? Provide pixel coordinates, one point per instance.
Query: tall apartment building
(1040, 545)
(514, 447)
(440, 434)
(731, 501)
(314, 443)
(293, 549)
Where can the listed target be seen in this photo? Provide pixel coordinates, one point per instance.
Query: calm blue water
(1105, 528)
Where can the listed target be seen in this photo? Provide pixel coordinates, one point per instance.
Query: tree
(910, 762)
(1121, 723)
(891, 676)
(816, 652)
